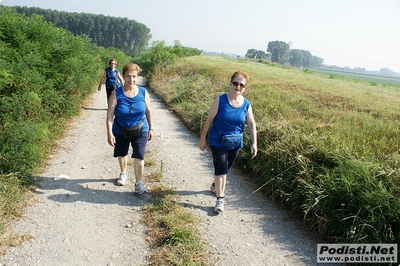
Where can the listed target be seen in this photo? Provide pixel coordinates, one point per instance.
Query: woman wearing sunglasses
(227, 117)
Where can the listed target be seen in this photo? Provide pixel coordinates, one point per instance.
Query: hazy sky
(355, 33)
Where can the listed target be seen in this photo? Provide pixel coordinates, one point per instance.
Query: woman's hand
(111, 139)
(202, 144)
(150, 134)
(254, 150)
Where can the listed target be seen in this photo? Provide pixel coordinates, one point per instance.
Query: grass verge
(173, 232)
(328, 148)
(14, 197)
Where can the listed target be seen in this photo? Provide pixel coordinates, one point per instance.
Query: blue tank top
(229, 120)
(112, 77)
(130, 111)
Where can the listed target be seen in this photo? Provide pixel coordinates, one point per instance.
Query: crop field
(372, 78)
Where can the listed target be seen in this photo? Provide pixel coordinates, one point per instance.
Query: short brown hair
(109, 62)
(130, 67)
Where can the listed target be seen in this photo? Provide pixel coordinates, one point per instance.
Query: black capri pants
(223, 159)
(121, 147)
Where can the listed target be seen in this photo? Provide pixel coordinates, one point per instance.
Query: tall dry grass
(328, 148)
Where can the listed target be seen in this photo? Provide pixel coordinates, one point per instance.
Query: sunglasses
(235, 83)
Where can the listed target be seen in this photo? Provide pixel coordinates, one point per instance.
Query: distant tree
(307, 59)
(177, 49)
(177, 43)
(127, 35)
(316, 61)
(261, 55)
(279, 51)
(251, 53)
(296, 57)
(387, 71)
(303, 58)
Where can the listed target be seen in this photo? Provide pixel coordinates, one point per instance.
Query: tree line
(126, 35)
(280, 52)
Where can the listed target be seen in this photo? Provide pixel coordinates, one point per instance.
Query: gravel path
(88, 220)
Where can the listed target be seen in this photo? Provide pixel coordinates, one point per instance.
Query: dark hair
(109, 62)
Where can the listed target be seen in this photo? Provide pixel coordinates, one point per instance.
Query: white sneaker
(123, 177)
(219, 206)
(213, 189)
(140, 188)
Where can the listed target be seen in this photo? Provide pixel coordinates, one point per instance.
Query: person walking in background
(129, 122)
(111, 78)
(227, 117)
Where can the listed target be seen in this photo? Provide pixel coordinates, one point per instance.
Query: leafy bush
(160, 55)
(45, 73)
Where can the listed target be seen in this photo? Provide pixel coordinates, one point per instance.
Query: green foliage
(157, 55)
(160, 55)
(307, 70)
(126, 35)
(303, 58)
(13, 195)
(112, 53)
(279, 51)
(253, 53)
(327, 146)
(21, 147)
(45, 73)
(296, 57)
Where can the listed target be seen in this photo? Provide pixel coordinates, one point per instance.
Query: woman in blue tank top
(227, 116)
(111, 78)
(129, 106)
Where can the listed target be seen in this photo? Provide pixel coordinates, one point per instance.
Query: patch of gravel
(88, 220)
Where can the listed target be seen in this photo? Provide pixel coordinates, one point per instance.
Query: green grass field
(328, 147)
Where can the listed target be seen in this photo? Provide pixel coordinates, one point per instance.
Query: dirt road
(88, 220)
